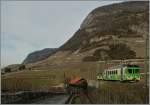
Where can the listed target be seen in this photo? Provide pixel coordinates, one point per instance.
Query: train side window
(116, 72)
(130, 70)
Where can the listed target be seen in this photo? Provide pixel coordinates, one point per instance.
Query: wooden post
(146, 59)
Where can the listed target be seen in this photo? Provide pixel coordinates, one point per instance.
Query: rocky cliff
(116, 31)
(122, 20)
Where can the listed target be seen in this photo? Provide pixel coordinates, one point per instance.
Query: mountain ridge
(39, 55)
(124, 24)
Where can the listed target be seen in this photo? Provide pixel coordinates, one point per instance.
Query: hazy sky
(27, 26)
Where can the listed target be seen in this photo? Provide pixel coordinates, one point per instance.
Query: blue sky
(27, 26)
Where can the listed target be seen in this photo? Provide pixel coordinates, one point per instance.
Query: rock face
(39, 55)
(108, 23)
(123, 24)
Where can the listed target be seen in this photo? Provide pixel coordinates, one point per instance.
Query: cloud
(33, 25)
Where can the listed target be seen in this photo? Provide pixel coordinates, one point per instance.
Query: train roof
(123, 65)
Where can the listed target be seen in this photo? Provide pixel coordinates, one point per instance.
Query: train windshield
(130, 70)
(136, 70)
(133, 70)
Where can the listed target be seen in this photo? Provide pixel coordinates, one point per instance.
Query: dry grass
(30, 80)
(120, 93)
(43, 79)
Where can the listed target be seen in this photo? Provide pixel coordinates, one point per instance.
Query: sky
(27, 26)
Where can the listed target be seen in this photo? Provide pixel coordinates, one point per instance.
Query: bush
(22, 67)
(121, 51)
(101, 54)
(90, 58)
(7, 70)
(116, 52)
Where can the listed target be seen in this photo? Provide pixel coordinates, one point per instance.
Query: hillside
(122, 20)
(108, 37)
(39, 55)
(111, 32)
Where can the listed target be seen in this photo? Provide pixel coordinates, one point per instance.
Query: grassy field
(43, 79)
(34, 79)
(107, 93)
(120, 93)
(30, 80)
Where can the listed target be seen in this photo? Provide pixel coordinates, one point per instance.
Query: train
(121, 73)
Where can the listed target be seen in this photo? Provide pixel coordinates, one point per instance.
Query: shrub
(90, 58)
(121, 51)
(22, 67)
(101, 54)
(7, 69)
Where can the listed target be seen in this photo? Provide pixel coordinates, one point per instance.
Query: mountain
(122, 20)
(116, 31)
(39, 55)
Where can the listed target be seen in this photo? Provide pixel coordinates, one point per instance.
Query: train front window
(136, 70)
(130, 70)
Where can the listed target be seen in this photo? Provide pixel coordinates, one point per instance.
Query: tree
(7, 69)
(101, 54)
(22, 67)
(90, 58)
(121, 51)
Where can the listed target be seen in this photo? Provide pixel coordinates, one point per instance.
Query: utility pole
(146, 63)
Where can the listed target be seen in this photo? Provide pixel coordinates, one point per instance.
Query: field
(30, 80)
(106, 92)
(113, 92)
(43, 79)
(33, 80)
